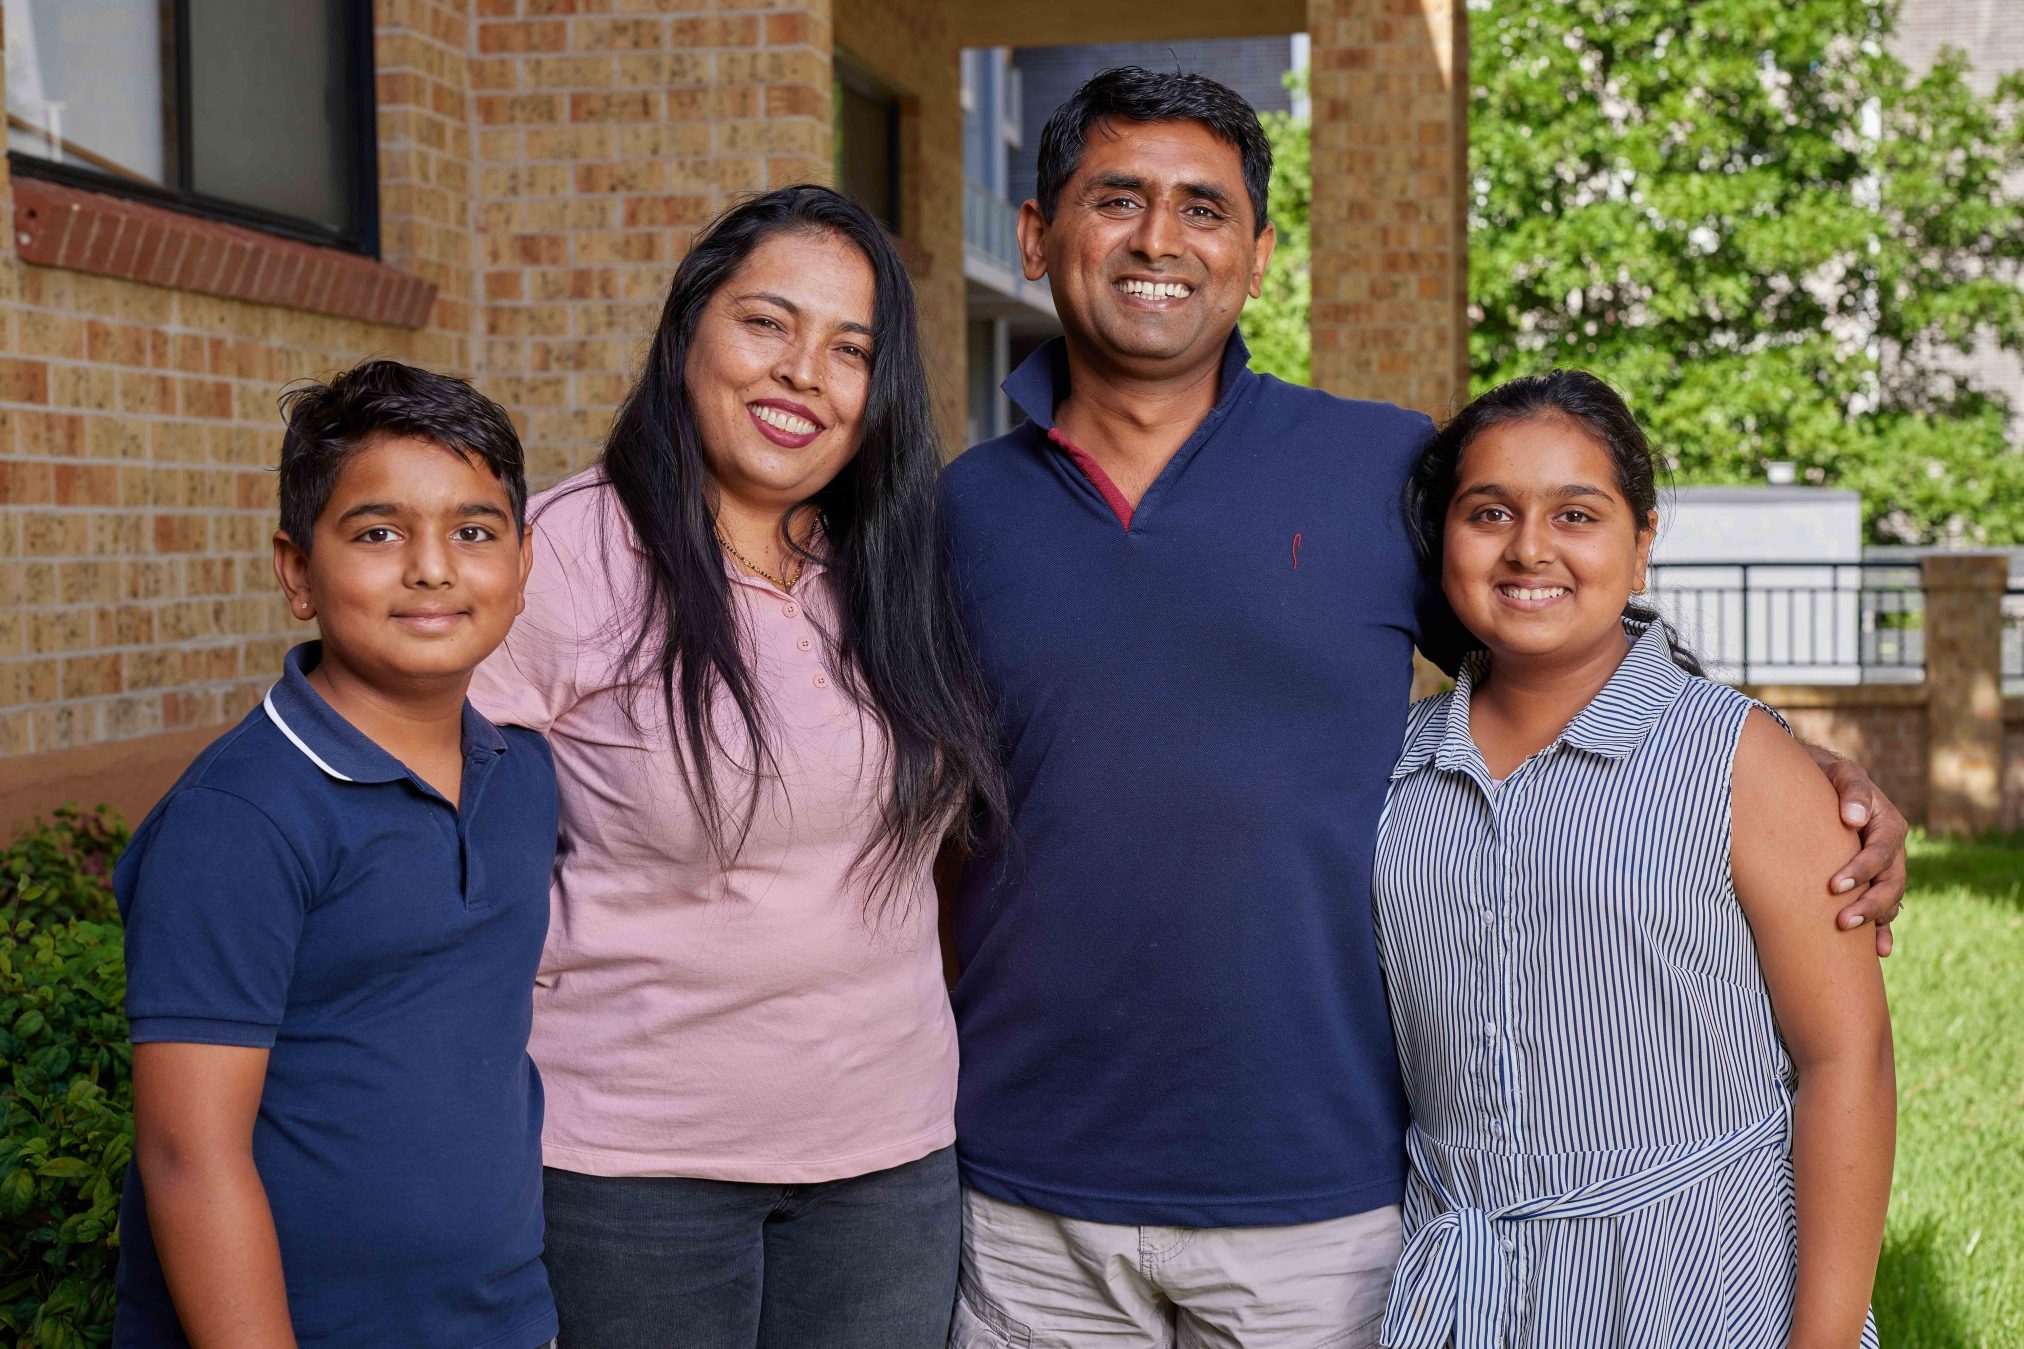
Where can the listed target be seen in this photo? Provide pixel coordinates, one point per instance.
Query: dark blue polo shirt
(300, 891)
(1170, 1005)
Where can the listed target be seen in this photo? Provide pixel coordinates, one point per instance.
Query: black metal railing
(2013, 639)
(1798, 622)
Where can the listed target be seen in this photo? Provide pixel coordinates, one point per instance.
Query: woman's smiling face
(779, 368)
(1540, 549)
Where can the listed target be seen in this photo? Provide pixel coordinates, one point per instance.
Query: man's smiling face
(1153, 245)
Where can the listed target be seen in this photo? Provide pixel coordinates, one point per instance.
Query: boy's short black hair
(1135, 94)
(328, 423)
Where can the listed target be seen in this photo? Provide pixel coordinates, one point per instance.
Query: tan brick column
(422, 86)
(1964, 691)
(604, 142)
(1390, 264)
(910, 45)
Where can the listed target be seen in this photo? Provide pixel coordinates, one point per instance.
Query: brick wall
(543, 166)
(910, 47)
(1949, 750)
(606, 135)
(1389, 89)
(136, 423)
(422, 86)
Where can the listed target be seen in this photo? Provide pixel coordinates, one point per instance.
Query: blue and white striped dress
(1601, 1137)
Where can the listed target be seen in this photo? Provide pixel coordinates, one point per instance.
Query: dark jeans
(669, 1263)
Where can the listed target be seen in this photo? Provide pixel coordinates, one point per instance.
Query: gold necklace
(784, 581)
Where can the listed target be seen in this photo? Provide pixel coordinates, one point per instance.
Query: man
(1180, 1114)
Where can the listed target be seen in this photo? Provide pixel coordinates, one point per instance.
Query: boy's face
(416, 570)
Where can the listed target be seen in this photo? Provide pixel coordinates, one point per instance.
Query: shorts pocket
(985, 1327)
(1362, 1335)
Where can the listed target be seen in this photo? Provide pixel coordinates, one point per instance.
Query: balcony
(998, 287)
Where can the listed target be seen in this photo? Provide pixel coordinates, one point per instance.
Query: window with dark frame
(258, 112)
(867, 131)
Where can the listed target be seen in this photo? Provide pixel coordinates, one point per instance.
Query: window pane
(87, 85)
(866, 167)
(271, 106)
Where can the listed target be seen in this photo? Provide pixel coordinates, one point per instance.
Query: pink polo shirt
(749, 1023)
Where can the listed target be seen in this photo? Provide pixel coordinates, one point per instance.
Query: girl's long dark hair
(900, 650)
(1582, 399)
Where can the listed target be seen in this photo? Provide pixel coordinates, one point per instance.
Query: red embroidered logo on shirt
(1296, 552)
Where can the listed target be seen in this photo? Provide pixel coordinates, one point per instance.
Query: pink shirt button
(791, 610)
(804, 644)
(822, 681)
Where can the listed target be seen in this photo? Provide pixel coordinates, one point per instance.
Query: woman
(743, 648)
(1650, 1077)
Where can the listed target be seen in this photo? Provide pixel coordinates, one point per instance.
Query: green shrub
(66, 1123)
(63, 870)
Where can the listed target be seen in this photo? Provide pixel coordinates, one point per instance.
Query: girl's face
(780, 368)
(1540, 549)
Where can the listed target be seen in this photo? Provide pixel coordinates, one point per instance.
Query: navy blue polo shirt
(1170, 1006)
(300, 891)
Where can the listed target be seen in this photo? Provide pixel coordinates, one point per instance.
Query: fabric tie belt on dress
(1450, 1282)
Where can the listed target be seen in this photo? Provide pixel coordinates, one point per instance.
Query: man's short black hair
(1135, 94)
(328, 423)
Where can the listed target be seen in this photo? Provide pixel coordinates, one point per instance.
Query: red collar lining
(1098, 479)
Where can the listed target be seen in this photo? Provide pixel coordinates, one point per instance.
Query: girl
(742, 645)
(1650, 1078)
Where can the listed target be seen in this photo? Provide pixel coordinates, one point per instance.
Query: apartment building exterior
(209, 198)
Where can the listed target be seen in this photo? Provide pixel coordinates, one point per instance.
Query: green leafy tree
(1758, 224)
(1275, 324)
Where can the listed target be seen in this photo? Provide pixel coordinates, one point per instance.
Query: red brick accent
(59, 226)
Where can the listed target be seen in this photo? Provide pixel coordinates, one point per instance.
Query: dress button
(804, 643)
(1510, 1244)
(1490, 1029)
(792, 610)
(822, 681)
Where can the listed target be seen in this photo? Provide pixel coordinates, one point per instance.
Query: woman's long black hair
(1580, 398)
(900, 650)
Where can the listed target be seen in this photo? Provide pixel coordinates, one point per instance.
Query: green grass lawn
(1953, 1256)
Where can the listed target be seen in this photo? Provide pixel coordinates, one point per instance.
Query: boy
(334, 920)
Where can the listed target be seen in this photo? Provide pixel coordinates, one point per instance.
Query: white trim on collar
(296, 740)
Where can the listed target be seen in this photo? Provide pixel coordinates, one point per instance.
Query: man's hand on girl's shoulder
(1875, 877)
